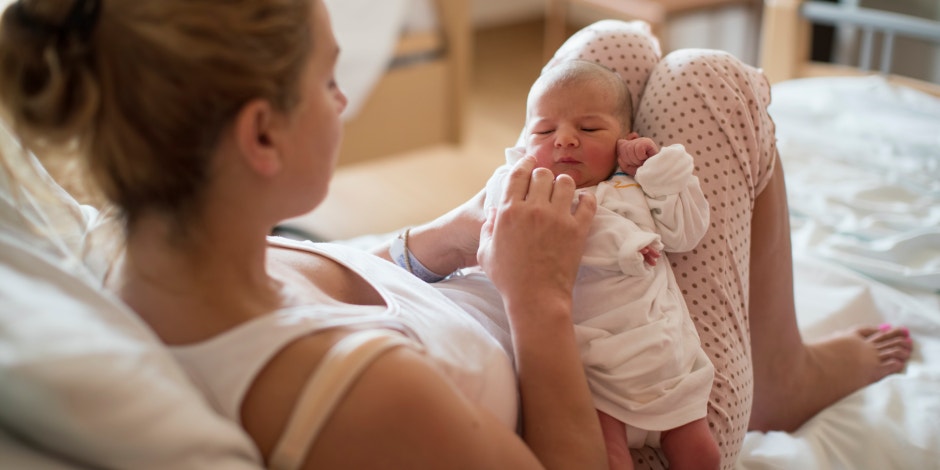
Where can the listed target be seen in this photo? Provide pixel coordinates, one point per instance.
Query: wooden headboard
(786, 39)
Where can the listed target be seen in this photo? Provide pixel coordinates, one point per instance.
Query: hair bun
(79, 22)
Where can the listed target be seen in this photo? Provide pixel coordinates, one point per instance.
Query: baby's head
(568, 78)
(576, 112)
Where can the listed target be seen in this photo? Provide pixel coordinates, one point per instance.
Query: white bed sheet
(862, 160)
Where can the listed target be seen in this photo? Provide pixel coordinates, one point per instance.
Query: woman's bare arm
(400, 413)
(531, 248)
(403, 414)
(447, 243)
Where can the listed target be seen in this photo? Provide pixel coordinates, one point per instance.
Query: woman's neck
(193, 286)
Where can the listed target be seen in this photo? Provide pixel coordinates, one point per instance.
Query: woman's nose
(341, 99)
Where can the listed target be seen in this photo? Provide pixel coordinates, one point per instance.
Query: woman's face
(573, 130)
(315, 125)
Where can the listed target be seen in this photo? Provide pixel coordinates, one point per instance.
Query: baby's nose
(566, 139)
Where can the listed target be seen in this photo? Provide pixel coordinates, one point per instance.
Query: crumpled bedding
(862, 160)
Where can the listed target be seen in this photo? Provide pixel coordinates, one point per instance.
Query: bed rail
(872, 22)
(786, 36)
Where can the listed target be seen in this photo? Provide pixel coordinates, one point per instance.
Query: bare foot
(831, 369)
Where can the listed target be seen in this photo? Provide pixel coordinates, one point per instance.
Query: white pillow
(81, 377)
(18, 454)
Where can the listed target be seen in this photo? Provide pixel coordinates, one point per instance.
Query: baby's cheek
(543, 159)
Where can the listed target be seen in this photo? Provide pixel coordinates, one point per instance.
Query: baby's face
(574, 131)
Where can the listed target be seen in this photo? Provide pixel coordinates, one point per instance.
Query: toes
(892, 344)
(883, 331)
(886, 342)
(889, 354)
(892, 366)
(867, 331)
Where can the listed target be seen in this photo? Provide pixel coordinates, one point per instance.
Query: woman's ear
(256, 136)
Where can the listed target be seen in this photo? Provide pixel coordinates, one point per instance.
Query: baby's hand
(650, 255)
(633, 151)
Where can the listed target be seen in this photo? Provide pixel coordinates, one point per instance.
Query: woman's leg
(628, 48)
(716, 107)
(806, 378)
(739, 281)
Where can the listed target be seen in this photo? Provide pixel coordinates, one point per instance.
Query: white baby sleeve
(676, 200)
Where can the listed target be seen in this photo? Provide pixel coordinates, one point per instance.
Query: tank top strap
(338, 370)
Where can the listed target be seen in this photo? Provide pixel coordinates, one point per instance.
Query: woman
(223, 135)
(207, 123)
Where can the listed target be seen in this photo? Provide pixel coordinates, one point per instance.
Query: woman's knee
(716, 106)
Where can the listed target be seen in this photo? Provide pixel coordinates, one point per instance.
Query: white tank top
(453, 340)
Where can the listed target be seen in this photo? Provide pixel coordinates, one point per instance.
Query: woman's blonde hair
(144, 88)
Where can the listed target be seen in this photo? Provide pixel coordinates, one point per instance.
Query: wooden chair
(654, 12)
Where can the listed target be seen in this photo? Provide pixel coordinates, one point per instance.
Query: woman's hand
(530, 247)
(532, 243)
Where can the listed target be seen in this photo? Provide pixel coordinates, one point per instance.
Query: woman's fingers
(534, 237)
(517, 184)
(585, 209)
(563, 191)
(541, 186)
(528, 183)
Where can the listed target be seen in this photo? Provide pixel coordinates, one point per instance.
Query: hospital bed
(861, 148)
(404, 67)
(85, 384)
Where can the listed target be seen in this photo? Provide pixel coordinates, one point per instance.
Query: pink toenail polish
(884, 326)
(906, 332)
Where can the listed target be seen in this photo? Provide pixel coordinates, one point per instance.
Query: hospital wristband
(402, 256)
